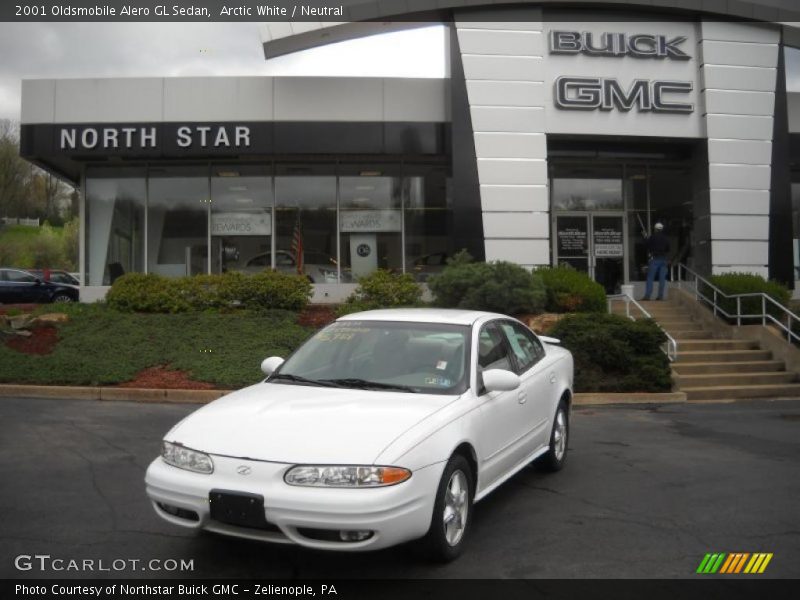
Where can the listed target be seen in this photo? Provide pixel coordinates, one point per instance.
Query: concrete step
(712, 344)
(669, 324)
(689, 334)
(699, 368)
(722, 355)
(735, 379)
(735, 392)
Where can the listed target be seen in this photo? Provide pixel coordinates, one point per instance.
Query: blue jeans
(656, 265)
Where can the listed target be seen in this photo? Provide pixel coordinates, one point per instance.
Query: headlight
(186, 458)
(345, 476)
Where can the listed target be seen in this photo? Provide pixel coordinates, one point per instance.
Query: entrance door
(593, 243)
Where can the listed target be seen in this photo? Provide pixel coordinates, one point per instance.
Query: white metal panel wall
(737, 73)
(212, 99)
(504, 71)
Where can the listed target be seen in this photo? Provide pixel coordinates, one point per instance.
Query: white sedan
(386, 426)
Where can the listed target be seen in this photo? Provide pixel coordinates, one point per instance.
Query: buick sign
(638, 45)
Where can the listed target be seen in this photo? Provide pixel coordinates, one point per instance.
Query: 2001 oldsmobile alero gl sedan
(384, 427)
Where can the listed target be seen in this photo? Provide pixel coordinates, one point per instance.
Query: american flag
(297, 246)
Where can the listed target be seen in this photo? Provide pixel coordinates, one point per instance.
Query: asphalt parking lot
(647, 492)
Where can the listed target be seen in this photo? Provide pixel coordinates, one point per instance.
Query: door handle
(552, 377)
(523, 397)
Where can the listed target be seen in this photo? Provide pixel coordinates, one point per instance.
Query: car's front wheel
(556, 454)
(451, 512)
(62, 298)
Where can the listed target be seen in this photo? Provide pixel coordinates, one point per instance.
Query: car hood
(304, 424)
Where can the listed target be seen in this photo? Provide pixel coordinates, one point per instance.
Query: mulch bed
(22, 308)
(316, 315)
(165, 378)
(41, 341)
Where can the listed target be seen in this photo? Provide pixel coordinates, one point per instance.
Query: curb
(602, 399)
(111, 394)
(120, 394)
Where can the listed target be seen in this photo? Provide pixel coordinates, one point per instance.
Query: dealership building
(560, 135)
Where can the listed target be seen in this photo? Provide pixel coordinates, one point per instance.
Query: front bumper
(394, 514)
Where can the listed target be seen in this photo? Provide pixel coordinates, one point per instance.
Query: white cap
(659, 226)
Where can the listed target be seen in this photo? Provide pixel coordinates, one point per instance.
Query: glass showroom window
(428, 221)
(370, 220)
(241, 218)
(580, 187)
(115, 201)
(796, 226)
(177, 221)
(305, 221)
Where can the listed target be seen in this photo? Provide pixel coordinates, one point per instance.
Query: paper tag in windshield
(441, 365)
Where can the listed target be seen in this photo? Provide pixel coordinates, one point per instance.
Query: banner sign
(371, 220)
(233, 223)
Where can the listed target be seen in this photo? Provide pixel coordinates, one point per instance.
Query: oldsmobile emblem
(243, 470)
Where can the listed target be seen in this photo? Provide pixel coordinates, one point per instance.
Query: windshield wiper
(364, 384)
(305, 380)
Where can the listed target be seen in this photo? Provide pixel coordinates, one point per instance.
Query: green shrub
(569, 290)
(502, 287)
(382, 289)
(46, 249)
(70, 242)
(137, 292)
(746, 283)
(615, 354)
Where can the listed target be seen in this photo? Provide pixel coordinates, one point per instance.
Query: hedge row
(137, 292)
(746, 283)
(615, 354)
(511, 289)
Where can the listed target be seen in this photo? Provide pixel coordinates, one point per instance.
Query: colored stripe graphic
(734, 563)
(764, 564)
(741, 562)
(703, 563)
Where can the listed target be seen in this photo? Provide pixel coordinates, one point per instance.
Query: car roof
(422, 315)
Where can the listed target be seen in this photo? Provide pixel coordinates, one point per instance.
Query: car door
(6, 289)
(502, 424)
(22, 287)
(538, 381)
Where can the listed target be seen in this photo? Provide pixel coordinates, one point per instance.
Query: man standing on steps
(658, 248)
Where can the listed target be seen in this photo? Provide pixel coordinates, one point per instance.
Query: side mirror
(268, 365)
(500, 380)
(549, 340)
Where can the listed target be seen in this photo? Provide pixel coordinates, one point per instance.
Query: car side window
(262, 260)
(526, 347)
(19, 277)
(284, 260)
(492, 350)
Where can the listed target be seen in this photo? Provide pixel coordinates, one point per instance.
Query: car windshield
(428, 358)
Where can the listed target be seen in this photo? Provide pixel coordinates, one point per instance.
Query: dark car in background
(55, 276)
(23, 287)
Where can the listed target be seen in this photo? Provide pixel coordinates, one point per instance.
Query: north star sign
(597, 93)
(143, 137)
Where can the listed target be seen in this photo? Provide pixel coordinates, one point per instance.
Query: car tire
(555, 457)
(60, 298)
(452, 512)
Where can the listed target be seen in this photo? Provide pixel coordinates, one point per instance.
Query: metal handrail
(670, 347)
(679, 269)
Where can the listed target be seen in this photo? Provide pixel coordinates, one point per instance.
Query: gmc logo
(595, 93)
(638, 45)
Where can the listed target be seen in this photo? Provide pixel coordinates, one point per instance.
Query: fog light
(354, 536)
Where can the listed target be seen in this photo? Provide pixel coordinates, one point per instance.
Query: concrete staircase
(711, 368)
